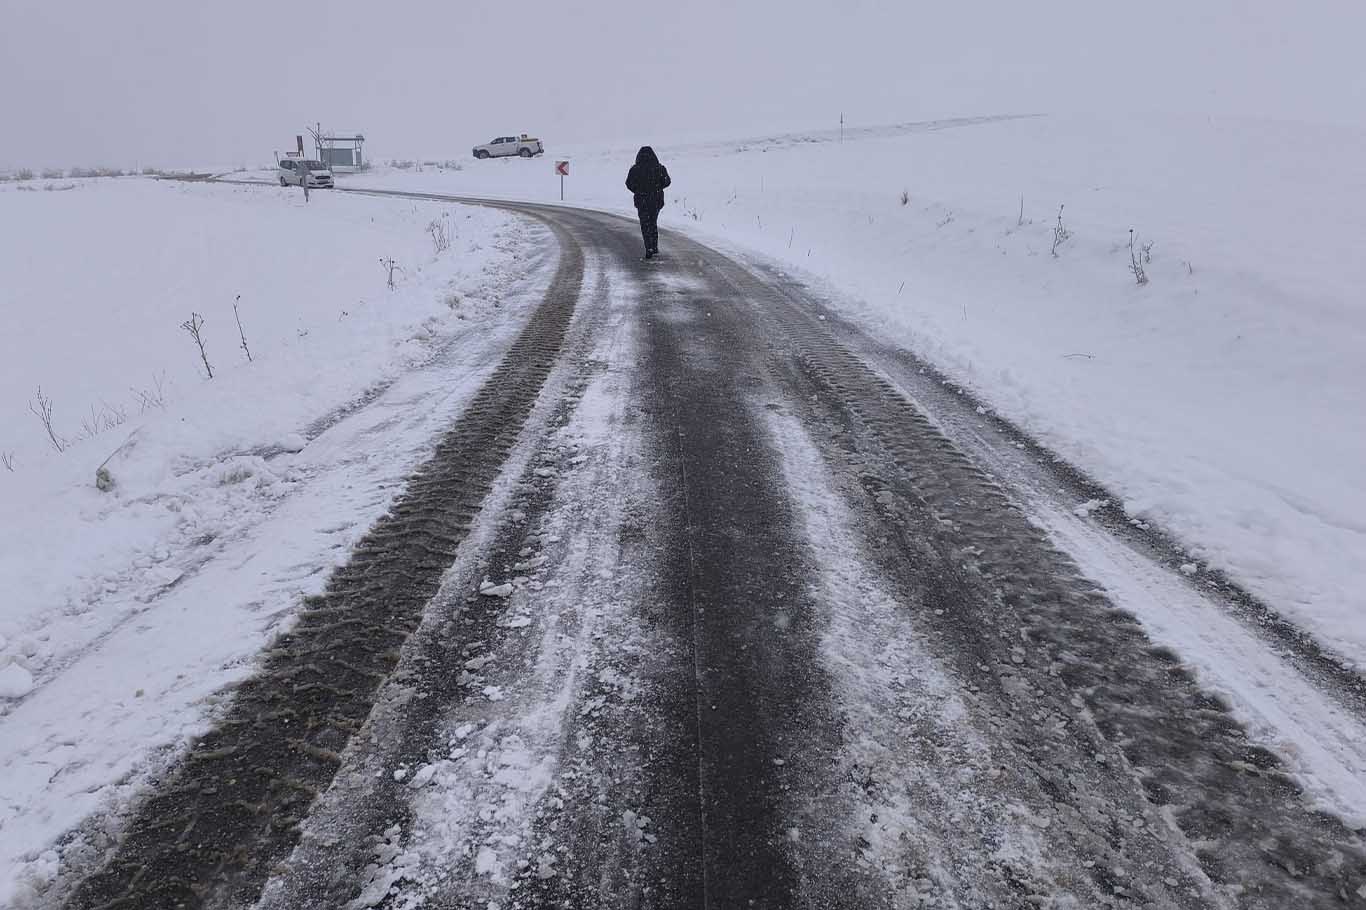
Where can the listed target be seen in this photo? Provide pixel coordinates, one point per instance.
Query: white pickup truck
(523, 146)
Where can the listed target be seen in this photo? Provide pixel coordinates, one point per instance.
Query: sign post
(562, 168)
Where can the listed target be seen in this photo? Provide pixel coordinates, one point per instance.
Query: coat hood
(646, 155)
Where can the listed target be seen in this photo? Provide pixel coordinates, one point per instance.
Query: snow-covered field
(1221, 400)
(232, 497)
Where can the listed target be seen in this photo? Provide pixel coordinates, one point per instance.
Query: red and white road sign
(562, 168)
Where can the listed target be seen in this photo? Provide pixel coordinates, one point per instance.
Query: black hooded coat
(647, 180)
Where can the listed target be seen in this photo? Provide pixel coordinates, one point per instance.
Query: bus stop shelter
(342, 152)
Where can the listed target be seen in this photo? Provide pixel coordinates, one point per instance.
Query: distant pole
(841, 127)
(562, 187)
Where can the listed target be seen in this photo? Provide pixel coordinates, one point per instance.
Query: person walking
(647, 180)
(304, 174)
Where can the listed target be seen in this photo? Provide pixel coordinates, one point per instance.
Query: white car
(290, 171)
(523, 146)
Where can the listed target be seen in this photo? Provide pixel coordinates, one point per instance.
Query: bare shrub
(195, 327)
(240, 332)
(391, 267)
(41, 407)
(1060, 232)
(105, 417)
(24, 174)
(440, 231)
(7, 461)
(1019, 222)
(153, 397)
(1139, 257)
(905, 197)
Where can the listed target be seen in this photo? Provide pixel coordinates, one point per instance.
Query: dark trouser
(649, 227)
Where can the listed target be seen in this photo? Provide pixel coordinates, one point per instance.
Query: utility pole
(841, 127)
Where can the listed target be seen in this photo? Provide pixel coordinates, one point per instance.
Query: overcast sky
(170, 82)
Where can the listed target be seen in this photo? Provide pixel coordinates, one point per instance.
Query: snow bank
(1221, 400)
(124, 613)
(98, 281)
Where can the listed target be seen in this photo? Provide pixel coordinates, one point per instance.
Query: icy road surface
(704, 600)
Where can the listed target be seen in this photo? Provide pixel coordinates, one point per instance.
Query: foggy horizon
(156, 85)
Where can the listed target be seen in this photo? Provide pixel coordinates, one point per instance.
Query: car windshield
(315, 165)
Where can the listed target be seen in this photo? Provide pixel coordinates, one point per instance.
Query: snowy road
(695, 607)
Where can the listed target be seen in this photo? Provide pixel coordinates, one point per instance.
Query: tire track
(623, 817)
(1141, 782)
(1143, 789)
(965, 416)
(1041, 647)
(764, 725)
(369, 842)
(224, 815)
(516, 770)
(736, 586)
